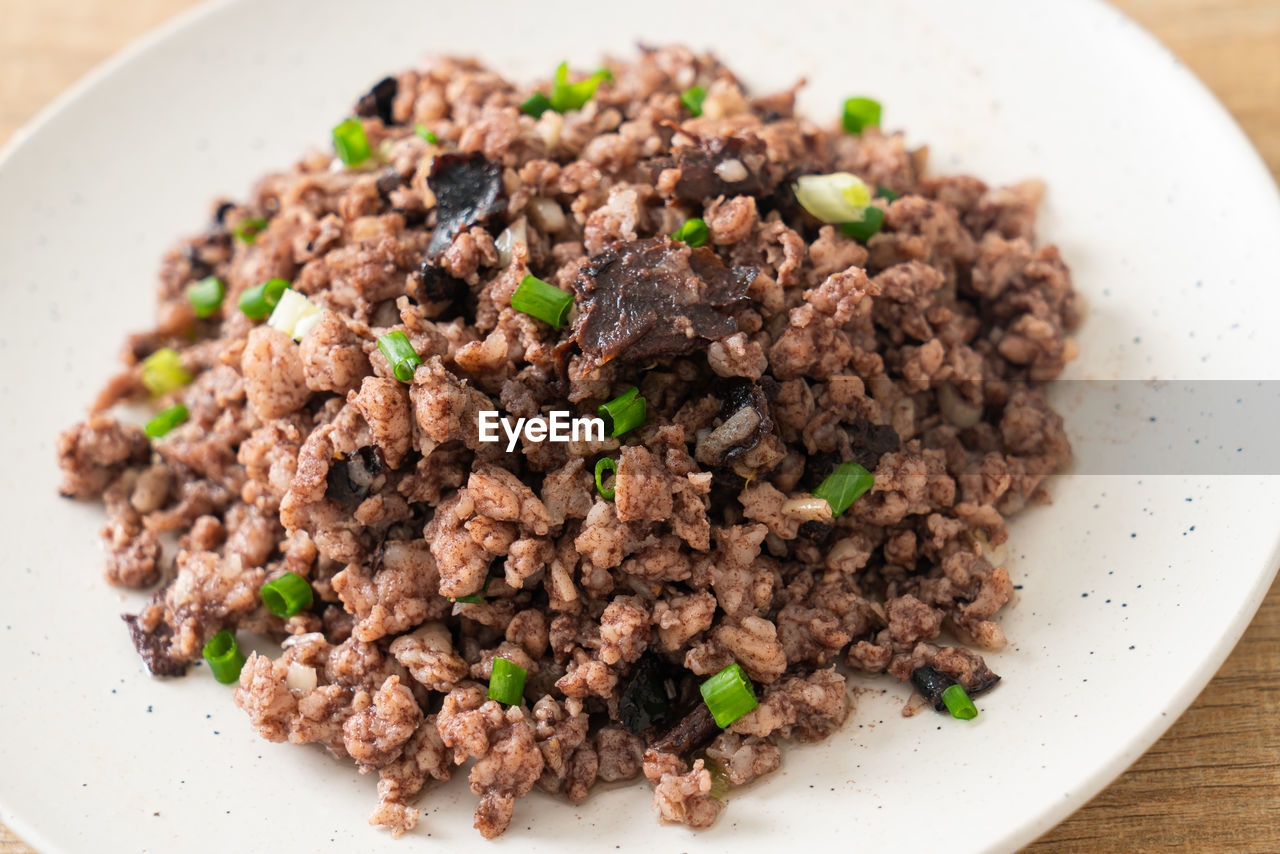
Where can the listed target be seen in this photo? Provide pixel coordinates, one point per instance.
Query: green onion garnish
(566, 96)
(350, 143)
(258, 301)
(506, 685)
(246, 230)
(430, 136)
(162, 371)
(863, 229)
(606, 465)
(844, 485)
(692, 99)
(838, 197)
(958, 703)
(885, 193)
(292, 313)
(474, 598)
(224, 657)
(165, 420)
(728, 695)
(693, 233)
(861, 113)
(400, 355)
(625, 412)
(536, 105)
(543, 301)
(286, 595)
(206, 295)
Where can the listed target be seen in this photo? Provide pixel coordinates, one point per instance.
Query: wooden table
(1212, 783)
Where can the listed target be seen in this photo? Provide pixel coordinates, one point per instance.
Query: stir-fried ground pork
(768, 357)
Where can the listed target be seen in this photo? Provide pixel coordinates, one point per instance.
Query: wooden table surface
(1212, 783)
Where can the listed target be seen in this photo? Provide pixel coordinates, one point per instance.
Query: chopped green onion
(566, 96)
(246, 230)
(162, 371)
(958, 703)
(429, 136)
(542, 300)
(400, 355)
(165, 420)
(474, 598)
(291, 310)
(206, 295)
(306, 323)
(719, 778)
(885, 193)
(604, 465)
(625, 412)
(838, 197)
(286, 595)
(728, 695)
(693, 233)
(350, 143)
(536, 105)
(224, 657)
(506, 685)
(861, 113)
(604, 73)
(844, 485)
(692, 99)
(863, 229)
(258, 301)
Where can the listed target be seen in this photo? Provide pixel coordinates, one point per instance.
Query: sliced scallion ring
(604, 468)
(837, 197)
(163, 372)
(728, 695)
(506, 685)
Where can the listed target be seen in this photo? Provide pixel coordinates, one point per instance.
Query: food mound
(819, 373)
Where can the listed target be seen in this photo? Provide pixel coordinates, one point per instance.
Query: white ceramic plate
(1155, 197)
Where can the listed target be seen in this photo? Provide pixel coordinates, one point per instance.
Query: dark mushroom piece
(717, 167)
(649, 693)
(351, 479)
(467, 188)
(931, 682)
(745, 421)
(379, 100)
(652, 297)
(436, 291)
(153, 647)
(694, 730)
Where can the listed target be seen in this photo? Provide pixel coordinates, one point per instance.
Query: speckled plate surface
(1133, 589)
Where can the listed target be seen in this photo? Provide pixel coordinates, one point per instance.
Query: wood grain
(1212, 783)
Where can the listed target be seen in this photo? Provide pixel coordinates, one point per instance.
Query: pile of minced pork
(817, 373)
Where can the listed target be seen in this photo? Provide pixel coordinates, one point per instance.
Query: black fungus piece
(467, 188)
(984, 680)
(819, 532)
(744, 422)
(694, 730)
(153, 647)
(351, 479)
(649, 693)
(378, 101)
(872, 441)
(817, 467)
(432, 285)
(388, 181)
(699, 179)
(220, 212)
(653, 297)
(931, 683)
